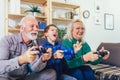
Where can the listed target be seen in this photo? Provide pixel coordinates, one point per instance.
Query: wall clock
(86, 14)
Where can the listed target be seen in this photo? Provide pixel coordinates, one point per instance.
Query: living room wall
(1, 18)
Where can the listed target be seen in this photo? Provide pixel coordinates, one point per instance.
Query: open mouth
(55, 35)
(33, 34)
(80, 33)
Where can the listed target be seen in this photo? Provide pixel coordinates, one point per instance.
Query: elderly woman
(76, 66)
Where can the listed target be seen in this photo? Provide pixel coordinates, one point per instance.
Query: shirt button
(15, 66)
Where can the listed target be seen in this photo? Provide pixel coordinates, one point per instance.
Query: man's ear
(22, 28)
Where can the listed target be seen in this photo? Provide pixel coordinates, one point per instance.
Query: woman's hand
(77, 46)
(106, 56)
(90, 56)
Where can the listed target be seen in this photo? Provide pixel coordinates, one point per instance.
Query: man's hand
(46, 56)
(28, 56)
(58, 54)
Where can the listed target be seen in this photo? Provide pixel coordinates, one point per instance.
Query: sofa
(108, 69)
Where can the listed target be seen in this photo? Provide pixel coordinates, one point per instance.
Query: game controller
(43, 50)
(68, 53)
(102, 54)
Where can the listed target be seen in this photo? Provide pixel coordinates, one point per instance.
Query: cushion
(114, 49)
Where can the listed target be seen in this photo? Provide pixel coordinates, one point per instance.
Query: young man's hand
(58, 54)
(46, 56)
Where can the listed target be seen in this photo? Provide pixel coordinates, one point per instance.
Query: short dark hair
(48, 26)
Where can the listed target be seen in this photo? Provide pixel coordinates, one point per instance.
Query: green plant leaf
(61, 33)
(33, 8)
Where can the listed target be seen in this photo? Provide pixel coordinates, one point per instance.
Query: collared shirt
(11, 47)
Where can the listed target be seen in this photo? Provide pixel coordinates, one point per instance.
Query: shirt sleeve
(78, 60)
(6, 64)
(68, 53)
(88, 49)
(37, 65)
(96, 61)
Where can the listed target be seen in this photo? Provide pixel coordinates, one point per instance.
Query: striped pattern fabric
(106, 72)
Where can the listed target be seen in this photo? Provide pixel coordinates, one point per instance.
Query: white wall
(95, 34)
(1, 18)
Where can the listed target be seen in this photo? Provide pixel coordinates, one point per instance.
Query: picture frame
(109, 21)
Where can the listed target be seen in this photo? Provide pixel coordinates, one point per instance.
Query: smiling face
(30, 29)
(51, 34)
(78, 30)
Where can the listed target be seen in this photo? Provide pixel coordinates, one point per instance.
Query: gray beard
(29, 36)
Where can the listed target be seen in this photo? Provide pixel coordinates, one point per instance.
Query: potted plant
(34, 9)
(61, 33)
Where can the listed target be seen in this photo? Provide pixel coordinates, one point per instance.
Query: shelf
(35, 1)
(16, 16)
(41, 30)
(61, 19)
(64, 5)
(15, 30)
(46, 6)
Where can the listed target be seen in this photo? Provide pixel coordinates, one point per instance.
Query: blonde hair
(68, 34)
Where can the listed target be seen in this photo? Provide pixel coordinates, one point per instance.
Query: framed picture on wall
(109, 21)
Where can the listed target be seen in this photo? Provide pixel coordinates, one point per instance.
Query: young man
(16, 52)
(56, 61)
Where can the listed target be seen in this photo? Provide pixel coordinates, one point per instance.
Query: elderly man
(18, 57)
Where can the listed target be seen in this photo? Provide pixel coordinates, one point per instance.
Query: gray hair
(68, 34)
(23, 20)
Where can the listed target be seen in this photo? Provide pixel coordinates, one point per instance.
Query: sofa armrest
(114, 49)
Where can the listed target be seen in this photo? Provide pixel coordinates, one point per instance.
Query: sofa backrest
(41, 40)
(114, 49)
